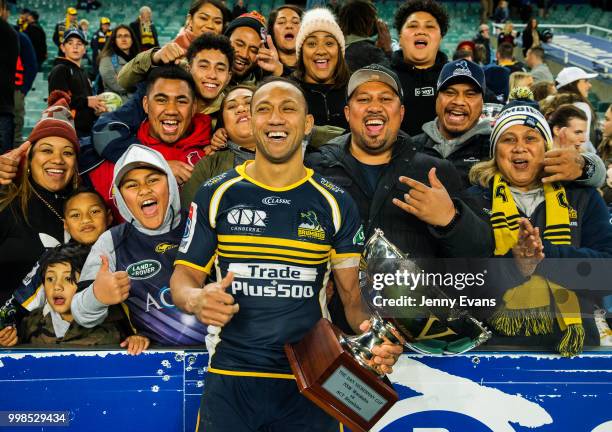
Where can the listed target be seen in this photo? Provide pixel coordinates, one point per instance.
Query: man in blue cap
(459, 135)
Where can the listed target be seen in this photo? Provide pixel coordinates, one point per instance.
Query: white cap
(570, 74)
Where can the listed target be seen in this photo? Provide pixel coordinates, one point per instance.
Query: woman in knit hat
(321, 69)
(31, 205)
(534, 222)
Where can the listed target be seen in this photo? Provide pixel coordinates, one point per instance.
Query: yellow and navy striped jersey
(279, 243)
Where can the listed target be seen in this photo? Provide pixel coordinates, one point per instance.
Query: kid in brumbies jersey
(273, 229)
(132, 262)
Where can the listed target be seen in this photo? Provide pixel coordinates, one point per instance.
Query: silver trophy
(424, 329)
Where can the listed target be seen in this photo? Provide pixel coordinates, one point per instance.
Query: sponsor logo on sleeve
(331, 186)
(189, 228)
(213, 181)
(359, 237)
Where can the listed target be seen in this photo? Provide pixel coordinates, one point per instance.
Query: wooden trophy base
(330, 377)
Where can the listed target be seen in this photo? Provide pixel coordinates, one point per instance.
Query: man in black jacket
(380, 168)
(457, 134)
(460, 136)
(38, 37)
(421, 25)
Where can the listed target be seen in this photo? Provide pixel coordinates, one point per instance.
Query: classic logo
(310, 226)
(359, 236)
(424, 91)
(274, 200)
(144, 269)
(247, 220)
(164, 247)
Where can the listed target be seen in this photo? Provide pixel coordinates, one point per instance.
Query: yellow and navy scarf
(527, 308)
(146, 34)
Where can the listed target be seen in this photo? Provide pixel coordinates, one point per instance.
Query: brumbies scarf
(527, 308)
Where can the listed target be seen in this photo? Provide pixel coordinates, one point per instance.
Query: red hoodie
(189, 149)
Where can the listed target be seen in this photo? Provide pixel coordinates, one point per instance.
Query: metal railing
(588, 28)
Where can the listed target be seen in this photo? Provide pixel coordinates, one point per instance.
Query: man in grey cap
(377, 165)
(459, 135)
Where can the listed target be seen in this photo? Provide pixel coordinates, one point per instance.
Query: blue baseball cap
(461, 71)
(74, 33)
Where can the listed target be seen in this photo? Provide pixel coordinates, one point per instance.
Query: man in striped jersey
(273, 230)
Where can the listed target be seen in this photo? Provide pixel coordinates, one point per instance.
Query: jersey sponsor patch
(274, 200)
(164, 247)
(273, 280)
(215, 180)
(247, 220)
(309, 226)
(267, 270)
(189, 228)
(144, 269)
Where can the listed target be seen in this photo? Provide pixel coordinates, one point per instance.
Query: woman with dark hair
(204, 16)
(31, 206)
(531, 35)
(367, 37)
(120, 48)
(574, 83)
(321, 69)
(284, 25)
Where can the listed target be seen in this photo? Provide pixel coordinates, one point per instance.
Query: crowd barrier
(159, 390)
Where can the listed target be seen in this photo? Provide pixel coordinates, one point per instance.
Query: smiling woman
(31, 206)
(533, 222)
(321, 68)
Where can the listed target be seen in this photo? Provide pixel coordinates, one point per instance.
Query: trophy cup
(336, 371)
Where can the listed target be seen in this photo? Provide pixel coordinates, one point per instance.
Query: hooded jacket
(463, 152)
(147, 256)
(69, 77)
(419, 90)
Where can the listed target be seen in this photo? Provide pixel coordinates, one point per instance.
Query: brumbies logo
(144, 269)
(310, 227)
(461, 68)
(164, 247)
(359, 237)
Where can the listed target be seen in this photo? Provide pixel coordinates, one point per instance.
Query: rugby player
(273, 230)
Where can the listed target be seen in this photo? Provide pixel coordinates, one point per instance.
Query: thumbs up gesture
(111, 287)
(9, 163)
(212, 305)
(432, 204)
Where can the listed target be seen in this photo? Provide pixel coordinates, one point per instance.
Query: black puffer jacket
(469, 237)
(326, 103)
(419, 91)
(69, 77)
